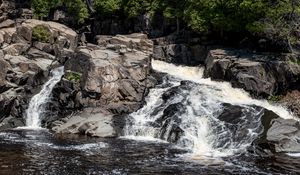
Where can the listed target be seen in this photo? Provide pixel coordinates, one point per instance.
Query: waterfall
(191, 117)
(38, 102)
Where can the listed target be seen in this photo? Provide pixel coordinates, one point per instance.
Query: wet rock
(284, 135)
(170, 122)
(260, 74)
(11, 122)
(91, 121)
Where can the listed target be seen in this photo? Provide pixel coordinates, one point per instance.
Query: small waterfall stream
(37, 106)
(191, 117)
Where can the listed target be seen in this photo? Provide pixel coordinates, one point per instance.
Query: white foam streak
(204, 134)
(225, 92)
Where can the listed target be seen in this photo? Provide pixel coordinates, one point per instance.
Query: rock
(4, 66)
(259, 74)
(7, 24)
(118, 82)
(93, 122)
(16, 49)
(11, 122)
(45, 47)
(135, 41)
(180, 53)
(34, 53)
(57, 30)
(284, 135)
(292, 101)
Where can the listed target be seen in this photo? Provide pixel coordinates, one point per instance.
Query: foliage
(137, 7)
(273, 18)
(76, 8)
(275, 98)
(107, 6)
(74, 77)
(41, 33)
(41, 7)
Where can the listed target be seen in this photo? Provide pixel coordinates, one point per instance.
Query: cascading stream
(38, 102)
(192, 116)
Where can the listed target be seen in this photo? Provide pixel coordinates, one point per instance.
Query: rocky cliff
(113, 76)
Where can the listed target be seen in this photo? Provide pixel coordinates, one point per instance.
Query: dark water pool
(40, 152)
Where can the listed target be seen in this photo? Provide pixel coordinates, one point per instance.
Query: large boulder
(180, 53)
(259, 74)
(117, 82)
(281, 136)
(135, 41)
(91, 121)
(25, 64)
(60, 34)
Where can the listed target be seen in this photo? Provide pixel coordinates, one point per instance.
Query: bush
(41, 33)
(74, 77)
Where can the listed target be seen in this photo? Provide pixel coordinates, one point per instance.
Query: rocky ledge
(108, 79)
(111, 78)
(26, 63)
(262, 75)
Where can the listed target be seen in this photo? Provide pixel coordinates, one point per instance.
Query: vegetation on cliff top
(41, 33)
(276, 18)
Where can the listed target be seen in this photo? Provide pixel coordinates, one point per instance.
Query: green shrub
(41, 33)
(275, 98)
(74, 77)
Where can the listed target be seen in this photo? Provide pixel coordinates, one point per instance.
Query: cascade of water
(197, 123)
(37, 106)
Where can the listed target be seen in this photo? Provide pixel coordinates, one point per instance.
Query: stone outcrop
(116, 81)
(25, 64)
(12, 9)
(91, 121)
(283, 135)
(180, 50)
(260, 74)
(113, 77)
(292, 101)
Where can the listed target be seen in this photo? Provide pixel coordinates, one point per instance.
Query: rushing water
(204, 134)
(207, 145)
(29, 152)
(38, 102)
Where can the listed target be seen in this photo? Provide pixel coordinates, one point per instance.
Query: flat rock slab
(93, 122)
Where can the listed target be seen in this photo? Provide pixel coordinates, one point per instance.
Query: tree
(77, 8)
(222, 15)
(41, 8)
(107, 6)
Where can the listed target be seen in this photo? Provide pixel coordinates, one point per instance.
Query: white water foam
(37, 103)
(204, 133)
(226, 93)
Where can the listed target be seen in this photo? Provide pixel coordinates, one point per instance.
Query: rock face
(283, 134)
(261, 75)
(14, 9)
(292, 101)
(113, 76)
(25, 65)
(116, 81)
(173, 49)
